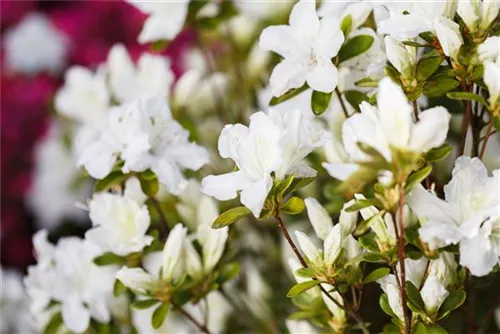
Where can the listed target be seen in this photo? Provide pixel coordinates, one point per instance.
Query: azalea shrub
(316, 167)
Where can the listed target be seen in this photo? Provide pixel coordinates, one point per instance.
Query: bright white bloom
(307, 46)
(489, 50)
(389, 126)
(469, 215)
(478, 14)
(151, 77)
(53, 192)
(84, 96)
(67, 274)
(165, 19)
(277, 142)
(402, 57)
(489, 54)
(358, 10)
(444, 268)
(331, 247)
(35, 45)
(120, 223)
(166, 263)
(433, 293)
(300, 327)
(144, 135)
(449, 36)
(410, 18)
(13, 299)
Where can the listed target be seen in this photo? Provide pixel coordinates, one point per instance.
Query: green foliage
(361, 204)
(438, 153)
(299, 288)
(149, 183)
(452, 302)
(466, 96)
(346, 25)
(414, 297)
(231, 216)
(288, 95)
(293, 206)
(108, 259)
(159, 315)
(54, 324)
(355, 98)
(376, 275)
(417, 177)
(367, 83)
(113, 178)
(305, 272)
(118, 288)
(228, 272)
(144, 304)
(428, 65)
(354, 47)
(320, 102)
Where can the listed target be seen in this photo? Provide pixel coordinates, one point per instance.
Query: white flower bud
(213, 247)
(172, 251)
(394, 297)
(448, 33)
(401, 57)
(468, 10)
(319, 218)
(332, 245)
(348, 220)
(137, 279)
(492, 81)
(192, 262)
(489, 12)
(352, 247)
(312, 253)
(433, 293)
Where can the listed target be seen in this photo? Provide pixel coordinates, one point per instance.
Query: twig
(201, 327)
(415, 110)
(163, 219)
(424, 276)
(339, 96)
(489, 132)
(465, 125)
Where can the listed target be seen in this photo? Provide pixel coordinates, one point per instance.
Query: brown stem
(424, 276)
(345, 307)
(486, 138)
(415, 110)
(401, 258)
(201, 327)
(465, 126)
(163, 219)
(339, 96)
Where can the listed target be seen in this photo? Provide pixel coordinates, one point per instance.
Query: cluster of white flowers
(352, 98)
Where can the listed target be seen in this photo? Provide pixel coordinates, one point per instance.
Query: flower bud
(492, 81)
(173, 250)
(332, 245)
(309, 249)
(319, 218)
(448, 33)
(401, 57)
(433, 293)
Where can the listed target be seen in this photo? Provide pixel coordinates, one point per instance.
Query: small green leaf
(361, 204)
(299, 184)
(320, 102)
(427, 66)
(113, 178)
(354, 47)
(466, 96)
(159, 46)
(368, 242)
(419, 328)
(367, 82)
(288, 95)
(392, 73)
(417, 177)
(231, 216)
(293, 206)
(54, 324)
(149, 183)
(384, 305)
(452, 302)
(365, 224)
(435, 329)
(299, 288)
(281, 186)
(159, 315)
(144, 304)
(355, 98)
(414, 44)
(376, 275)
(372, 257)
(346, 25)
(439, 86)
(118, 288)
(414, 296)
(438, 153)
(305, 272)
(108, 259)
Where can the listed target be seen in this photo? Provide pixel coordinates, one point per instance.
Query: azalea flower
(449, 36)
(151, 77)
(489, 54)
(469, 215)
(307, 45)
(277, 142)
(165, 19)
(402, 57)
(358, 10)
(389, 126)
(120, 222)
(145, 136)
(478, 14)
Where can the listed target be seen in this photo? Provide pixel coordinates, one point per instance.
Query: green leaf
(346, 25)
(392, 73)
(113, 178)
(149, 186)
(159, 46)
(159, 315)
(435, 329)
(357, 180)
(417, 177)
(305, 272)
(365, 224)
(288, 95)
(354, 47)
(320, 102)
(299, 288)
(438, 153)
(466, 96)
(118, 288)
(144, 304)
(384, 305)
(355, 98)
(299, 184)
(439, 86)
(414, 44)
(281, 186)
(367, 82)
(54, 324)
(293, 206)
(414, 296)
(300, 315)
(228, 272)
(419, 328)
(496, 123)
(368, 242)
(231, 216)
(372, 257)
(427, 66)
(361, 204)
(376, 274)
(452, 302)
(108, 259)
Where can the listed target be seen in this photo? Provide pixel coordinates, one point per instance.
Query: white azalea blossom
(489, 54)
(477, 14)
(35, 45)
(359, 11)
(307, 45)
(165, 19)
(448, 33)
(402, 57)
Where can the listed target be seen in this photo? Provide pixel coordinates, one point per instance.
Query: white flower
(331, 247)
(319, 218)
(389, 126)
(449, 36)
(84, 96)
(300, 327)
(119, 224)
(469, 215)
(478, 14)
(13, 298)
(165, 19)
(444, 268)
(492, 80)
(151, 77)
(144, 135)
(489, 50)
(67, 274)
(402, 57)
(166, 263)
(382, 226)
(35, 45)
(358, 10)
(307, 46)
(277, 142)
(433, 293)
(408, 19)
(53, 191)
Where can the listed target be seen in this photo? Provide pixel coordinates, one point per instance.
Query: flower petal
(431, 130)
(324, 76)
(225, 186)
(254, 195)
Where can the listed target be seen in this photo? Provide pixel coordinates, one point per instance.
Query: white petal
(230, 140)
(348, 220)
(225, 186)
(427, 205)
(478, 253)
(214, 247)
(492, 81)
(431, 130)
(433, 293)
(99, 310)
(393, 295)
(122, 75)
(254, 195)
(308, 248)
(136, 279)
(278, 39)
(450, 38)
(98, 159)
(403, 27)
(319, 218)
(330, 37)
(288, 74)
(172, 251)
(340, 171)
(438, 234)
(165, 24)
(75, 316)
(304, 20)
(332, 244)
(193, 264)
(323, 77)
(169, 175)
